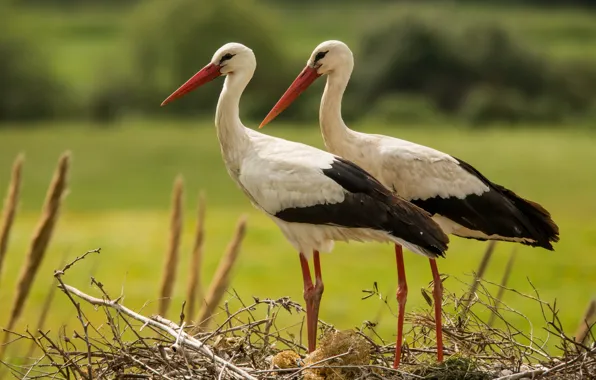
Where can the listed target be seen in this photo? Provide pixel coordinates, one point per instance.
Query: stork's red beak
(301, 83)
(206, 74)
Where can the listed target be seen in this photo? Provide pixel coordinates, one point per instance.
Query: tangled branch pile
(244, 345)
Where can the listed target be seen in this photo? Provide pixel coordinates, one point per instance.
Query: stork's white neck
(333, 128)
(232, 135)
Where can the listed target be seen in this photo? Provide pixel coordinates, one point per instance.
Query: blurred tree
(479, 72)
(28, 90)
(171, 40)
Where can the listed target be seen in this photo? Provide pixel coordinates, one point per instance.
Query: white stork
(313, 196)
(462, 201)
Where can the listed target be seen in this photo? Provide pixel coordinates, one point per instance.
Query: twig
(187, 339)
(521, 375)
(77, 259)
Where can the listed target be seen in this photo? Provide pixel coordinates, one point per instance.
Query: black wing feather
(368, 204)
(498, 211)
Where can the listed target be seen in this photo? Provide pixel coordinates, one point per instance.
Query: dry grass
(221, 279)
(171, 259)
(479, 275)
(582, 335)
(40, 240)
(193, 290)
(129, 345)
(10, 206)
(504, 279)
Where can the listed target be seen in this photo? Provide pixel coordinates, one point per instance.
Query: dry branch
(171, 260)
(221, 280)
(193, 290)
(10, 206)
(170, 328)
(41, 239)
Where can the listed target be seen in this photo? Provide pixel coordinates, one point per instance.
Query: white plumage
(280, 174)
(413, 171)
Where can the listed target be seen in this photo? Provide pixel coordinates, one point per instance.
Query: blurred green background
(508, 86)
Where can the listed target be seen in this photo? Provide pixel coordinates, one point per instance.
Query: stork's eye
(321, 55)
(226, 57)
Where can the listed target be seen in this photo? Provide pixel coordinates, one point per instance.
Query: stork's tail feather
(544, 230)
(417, 232)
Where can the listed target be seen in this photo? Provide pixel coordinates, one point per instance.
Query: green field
(120, 192)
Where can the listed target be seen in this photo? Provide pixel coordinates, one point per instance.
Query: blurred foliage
(480, 72)
(28, 90)
(415, 69)
(172, 40)
(70, 3)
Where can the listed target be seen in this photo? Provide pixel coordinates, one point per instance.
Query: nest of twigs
(249, 344)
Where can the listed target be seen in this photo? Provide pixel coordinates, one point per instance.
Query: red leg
(438, 299)
(402, 295)
(312, 296)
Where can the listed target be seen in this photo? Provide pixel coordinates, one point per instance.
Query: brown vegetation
(221, 279)
(171, 258)
(10, 207)
(193, 289)
(40, 240)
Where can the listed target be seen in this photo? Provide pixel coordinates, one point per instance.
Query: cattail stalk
(588, 320)
(504, 280)
(41, 239)
(44, 315)
(221, 280)
(193, 290)
(480, 272)
(171, 260)
(10, 206)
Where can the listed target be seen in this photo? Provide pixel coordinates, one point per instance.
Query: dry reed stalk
(43, 316)
(588, 320)
(221, 280)
(171, 260)
(501, 290)
(480, 272)
(10, 206)
(193, 290)
(41, 240)
(47, 303)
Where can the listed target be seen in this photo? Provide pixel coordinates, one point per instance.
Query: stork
(315, 197)
(462, 201)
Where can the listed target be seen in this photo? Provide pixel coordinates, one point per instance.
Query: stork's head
(227, 60)
(329, 58)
